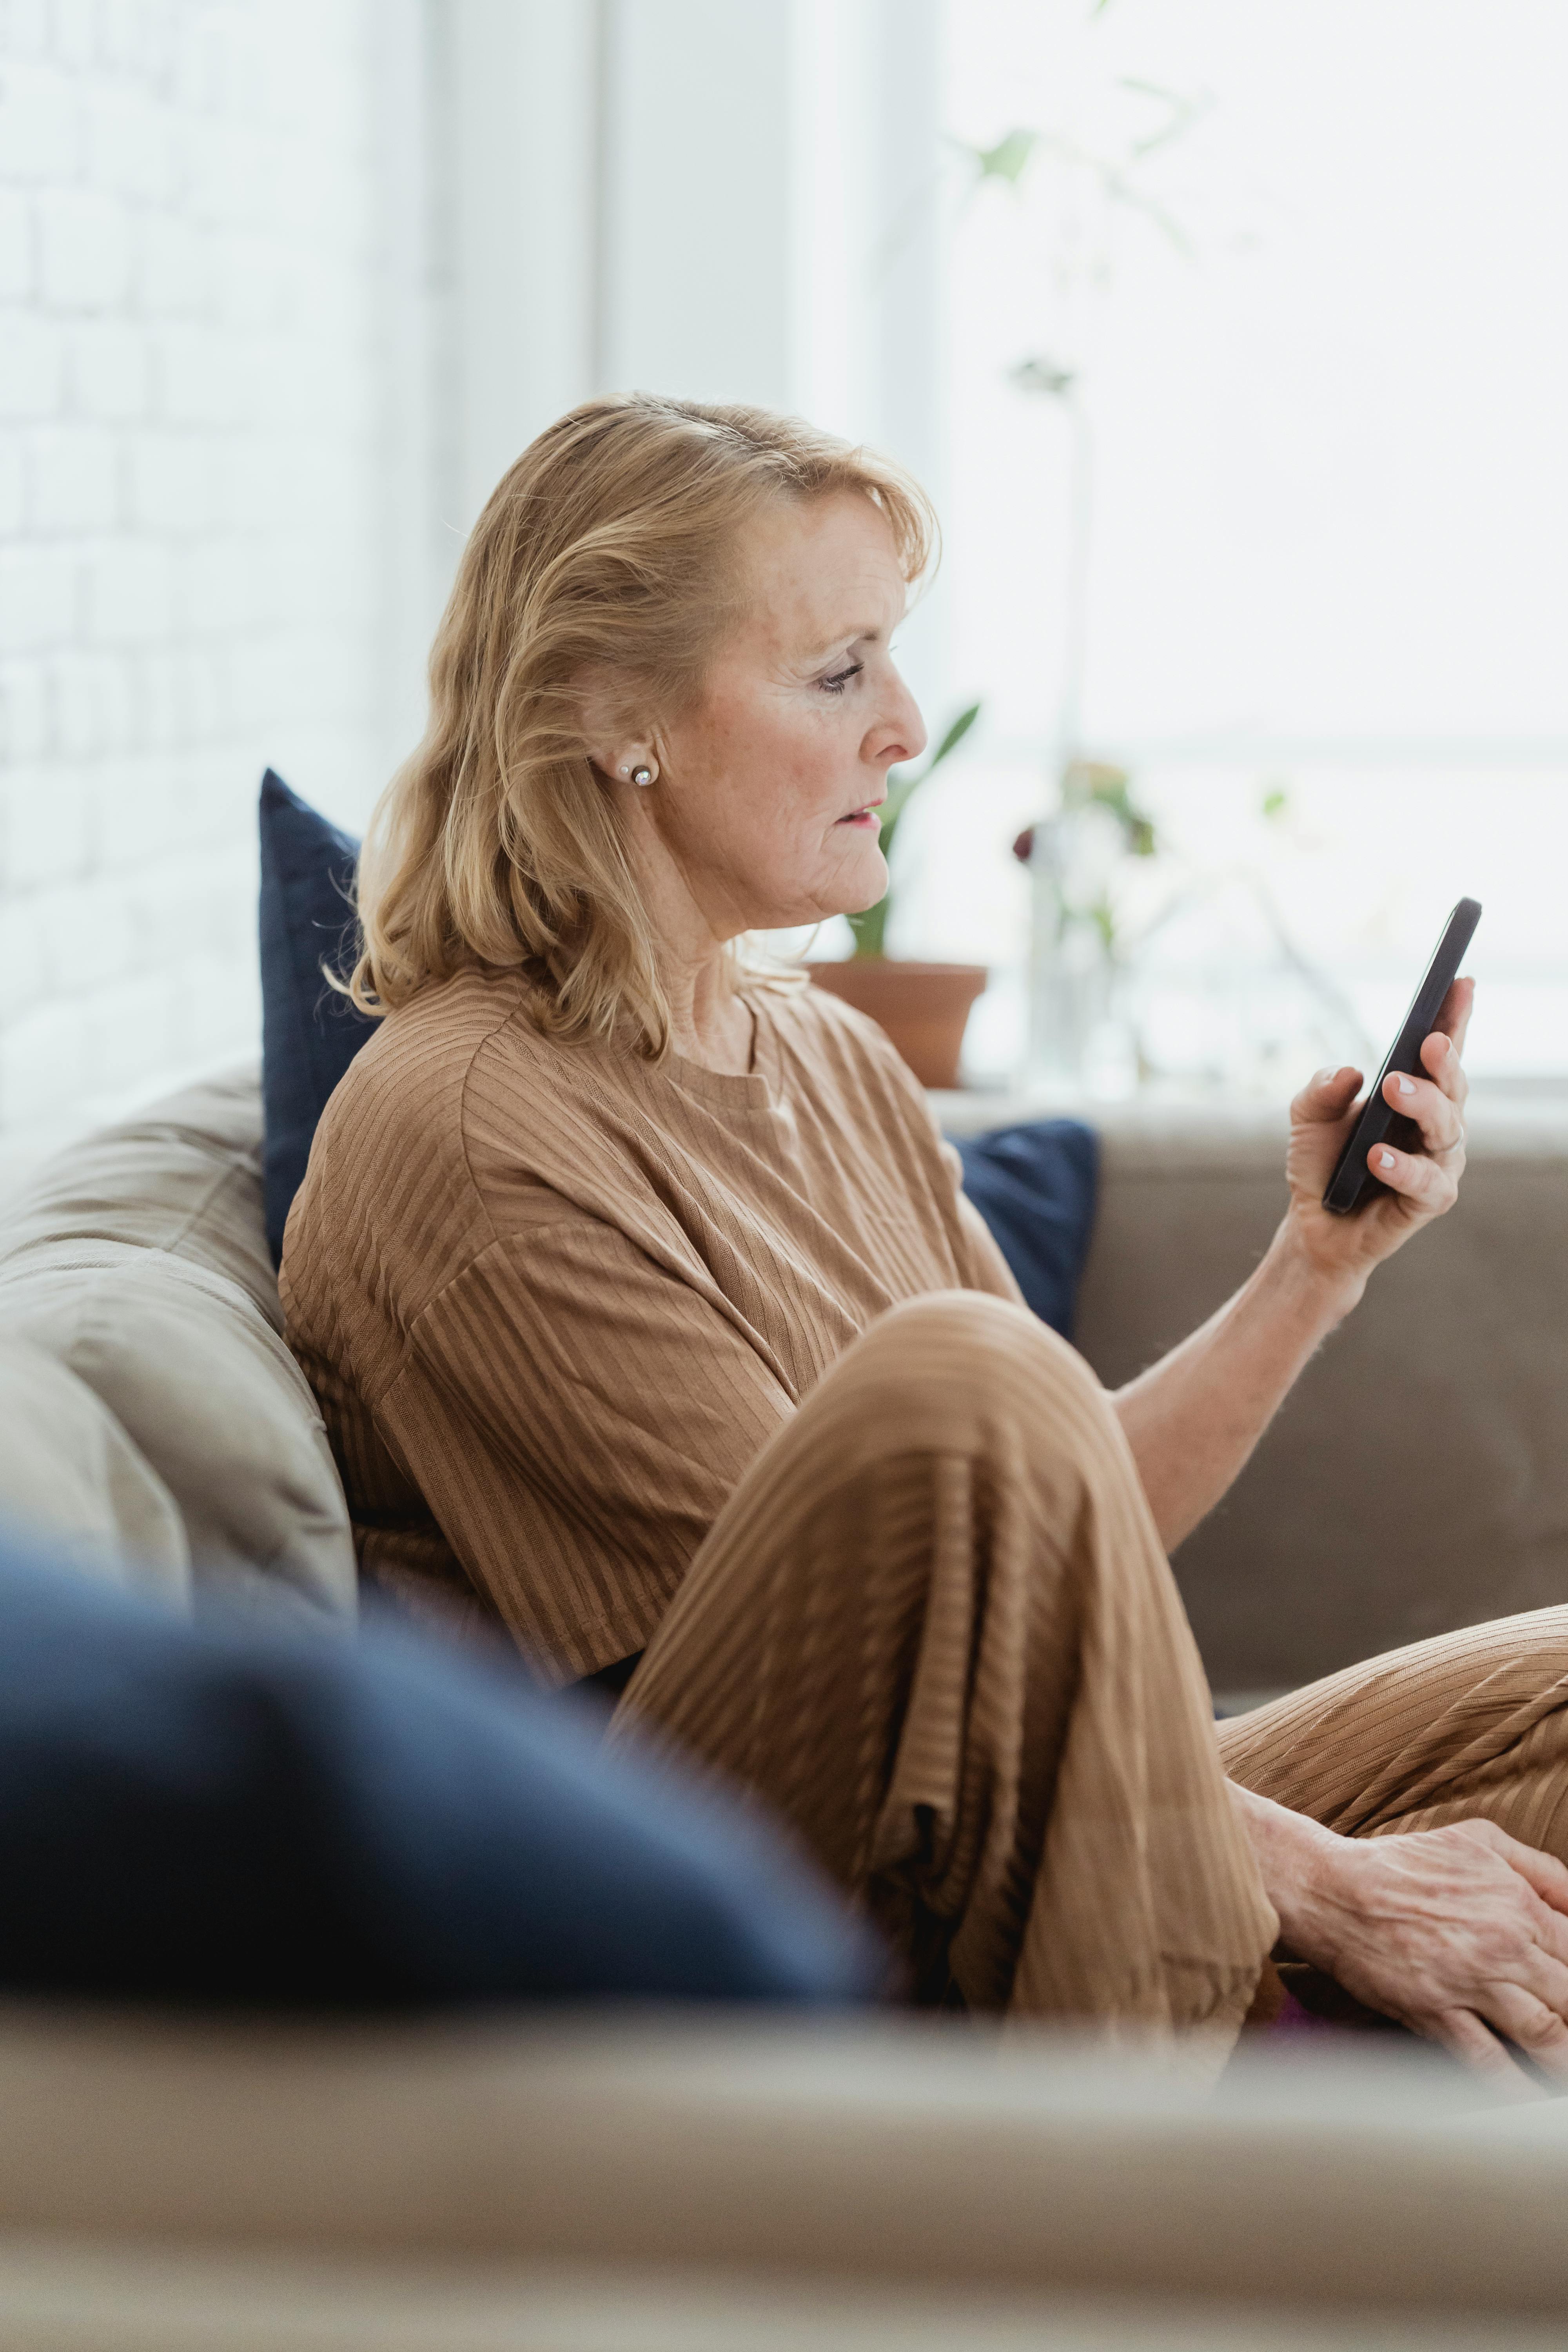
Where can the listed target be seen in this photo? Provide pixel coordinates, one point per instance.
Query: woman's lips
(866, 819)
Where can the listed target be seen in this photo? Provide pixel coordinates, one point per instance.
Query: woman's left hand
(1459, 1933)
(1421, 1185)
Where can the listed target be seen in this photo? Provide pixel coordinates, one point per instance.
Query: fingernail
(1321, 1077)
(1386, 1159)
(1405, 1087)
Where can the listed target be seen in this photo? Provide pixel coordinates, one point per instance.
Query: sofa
(1416, 1478)
(633, 2178)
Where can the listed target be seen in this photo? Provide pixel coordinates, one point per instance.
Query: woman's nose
(903, 734)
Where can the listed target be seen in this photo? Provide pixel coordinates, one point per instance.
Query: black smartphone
(1353, 1183)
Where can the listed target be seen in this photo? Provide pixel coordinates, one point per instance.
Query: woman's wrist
(1301, 1865)
(1321, 1294)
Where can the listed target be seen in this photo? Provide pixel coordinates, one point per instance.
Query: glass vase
(1080, 1037)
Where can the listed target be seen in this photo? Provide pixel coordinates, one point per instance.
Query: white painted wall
(520, 93)
(210, 507)
(285, 284)
(721, 199)
(697, 169)
(869, 201)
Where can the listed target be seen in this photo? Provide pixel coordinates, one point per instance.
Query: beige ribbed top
(553, 1301)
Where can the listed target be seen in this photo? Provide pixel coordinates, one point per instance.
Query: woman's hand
(1459, 1933)
(1421, 1185)
(1452, 1931)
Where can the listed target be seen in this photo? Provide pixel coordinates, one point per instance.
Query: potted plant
(923, 1007)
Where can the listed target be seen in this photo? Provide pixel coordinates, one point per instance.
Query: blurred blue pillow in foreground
(207, 1813)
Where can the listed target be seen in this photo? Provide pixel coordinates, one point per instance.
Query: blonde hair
(609, 548)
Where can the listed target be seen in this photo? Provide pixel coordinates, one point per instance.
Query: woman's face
(768, 788)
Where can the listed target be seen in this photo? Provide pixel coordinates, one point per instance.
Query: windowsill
(1507, 1117)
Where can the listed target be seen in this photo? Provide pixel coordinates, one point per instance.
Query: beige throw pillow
(138, 1261)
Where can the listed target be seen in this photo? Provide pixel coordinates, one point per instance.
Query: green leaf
(1009, 158)
(902, 786)
(954, 736)
(899, 795)
(1275, 803)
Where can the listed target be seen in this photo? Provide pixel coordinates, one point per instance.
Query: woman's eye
(840, 678)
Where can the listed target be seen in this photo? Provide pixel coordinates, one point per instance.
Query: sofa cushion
(222, 1814)
(1415, 1479)
(211, 1397)
(309, 1035)
(137, 1261)
(182, 1176)
(70, 1472)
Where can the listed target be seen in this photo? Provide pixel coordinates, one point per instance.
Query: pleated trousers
(1469, 1725)
(935, 1628)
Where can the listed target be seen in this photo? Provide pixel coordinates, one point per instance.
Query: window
(1320, 362)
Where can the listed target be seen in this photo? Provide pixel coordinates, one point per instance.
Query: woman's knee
(978, 1340)
(956, 1367)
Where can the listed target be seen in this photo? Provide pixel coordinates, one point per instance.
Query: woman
(645, 1314)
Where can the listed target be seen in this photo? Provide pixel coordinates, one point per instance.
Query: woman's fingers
(1544, 1976)
(1431, 1185)
(1430, 1179)
(1440, 1058)
(1546, 1877)
(1532, 2026)
(1435, 1102)
(1544, 1871)
(1326, 1097)
(1453, 1020)
(1528, 2007)
(1436, 1113)
(1461, 2031)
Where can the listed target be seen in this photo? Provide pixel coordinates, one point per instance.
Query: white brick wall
(194, 493)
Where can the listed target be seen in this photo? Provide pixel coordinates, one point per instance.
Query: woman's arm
(1193, 1419)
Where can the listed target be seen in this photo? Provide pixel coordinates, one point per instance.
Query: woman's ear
(612, 746)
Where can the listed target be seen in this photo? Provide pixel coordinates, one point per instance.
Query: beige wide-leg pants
(1471, 1726)
(935, 1628)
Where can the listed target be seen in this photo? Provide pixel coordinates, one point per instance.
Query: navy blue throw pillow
(1035, 1185)
(309, 1035)
(209, 1814)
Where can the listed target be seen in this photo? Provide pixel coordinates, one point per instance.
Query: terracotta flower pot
(923, 1007)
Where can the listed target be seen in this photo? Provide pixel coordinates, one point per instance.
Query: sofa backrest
(136, 1262)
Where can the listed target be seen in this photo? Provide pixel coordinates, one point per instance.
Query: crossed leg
(935, 1629)
(1470, 1726)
